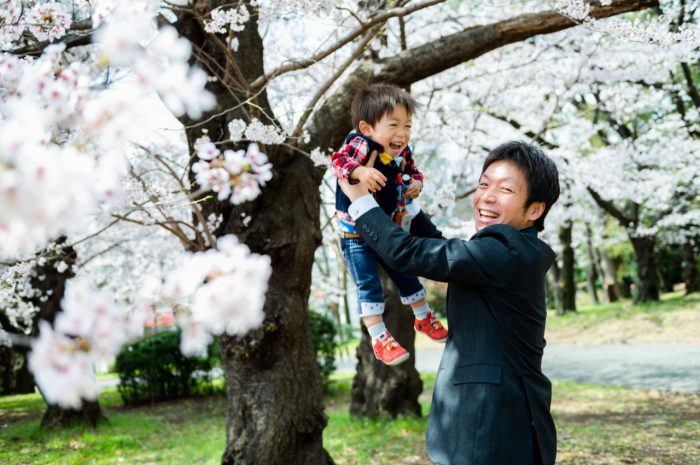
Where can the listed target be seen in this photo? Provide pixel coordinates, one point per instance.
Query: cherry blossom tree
(232, 75)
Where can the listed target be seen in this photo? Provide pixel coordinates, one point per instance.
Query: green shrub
(323, 333)
(154, 370)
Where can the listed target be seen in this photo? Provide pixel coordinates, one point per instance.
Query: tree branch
(441, 54)
(609, 207)
(298, 64)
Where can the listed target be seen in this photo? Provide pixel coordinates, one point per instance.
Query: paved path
(659, 366)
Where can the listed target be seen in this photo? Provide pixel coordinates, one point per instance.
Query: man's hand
(353, 191)
(414, 189)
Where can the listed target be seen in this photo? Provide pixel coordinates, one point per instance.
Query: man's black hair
(540, 172)
(372, 102)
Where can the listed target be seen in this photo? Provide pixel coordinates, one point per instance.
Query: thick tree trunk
(53, 286)
(274, 389)
(567, 283)
(591, 274)
(690, 269)
(89, 414)
(647, 277)
(381, 390)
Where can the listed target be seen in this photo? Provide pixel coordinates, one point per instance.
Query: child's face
(393, 130)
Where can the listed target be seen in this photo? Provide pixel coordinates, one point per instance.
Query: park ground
(597, 425)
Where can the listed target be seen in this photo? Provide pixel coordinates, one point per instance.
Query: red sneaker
(431, 327)
(388, 350)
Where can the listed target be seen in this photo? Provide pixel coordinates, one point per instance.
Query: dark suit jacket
(491, 401)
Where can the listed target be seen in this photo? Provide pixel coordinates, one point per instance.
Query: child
(376, 154)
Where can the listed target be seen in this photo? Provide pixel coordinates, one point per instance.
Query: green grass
(597, 425)
(675, 318)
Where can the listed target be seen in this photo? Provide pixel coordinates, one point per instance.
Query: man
(491, 403)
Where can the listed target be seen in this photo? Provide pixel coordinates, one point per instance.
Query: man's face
(393, 130)
(500, 198)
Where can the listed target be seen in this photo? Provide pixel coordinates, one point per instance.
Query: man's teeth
(488, 213)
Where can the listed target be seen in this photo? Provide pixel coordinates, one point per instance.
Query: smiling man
(491, 403)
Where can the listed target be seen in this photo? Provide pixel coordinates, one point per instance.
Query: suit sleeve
(488, 259)
(421, 226)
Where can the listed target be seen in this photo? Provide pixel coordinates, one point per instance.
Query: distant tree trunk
(592, 274)
(611, 285)
(381, 390)
(53, 286)
(567, 283)
(690, 269)
(16, 377)
(647, 277)
(554, 279)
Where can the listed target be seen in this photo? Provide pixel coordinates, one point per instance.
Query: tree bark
(690, 269)
(381, 390)
(647, 277)
(611, 287)
(16, 377)
(554, 279)
(52, 284)
(274, 388)
(567, 283)
(591, 274)
(89, 414)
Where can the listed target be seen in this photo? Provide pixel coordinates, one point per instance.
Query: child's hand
(372, 179)
(414, 189)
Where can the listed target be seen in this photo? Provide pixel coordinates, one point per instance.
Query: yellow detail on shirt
(385, 158)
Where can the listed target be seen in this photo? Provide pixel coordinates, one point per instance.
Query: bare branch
(298, 64)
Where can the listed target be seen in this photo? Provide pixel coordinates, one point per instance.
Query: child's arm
(412, 170)
(348, 164)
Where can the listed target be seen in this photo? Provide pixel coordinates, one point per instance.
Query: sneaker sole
(441, 341)
(398, 360)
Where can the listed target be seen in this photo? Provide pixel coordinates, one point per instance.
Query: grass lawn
(598, 425)
(675, 319)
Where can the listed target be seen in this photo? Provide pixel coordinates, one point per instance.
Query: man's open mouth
(488, 214)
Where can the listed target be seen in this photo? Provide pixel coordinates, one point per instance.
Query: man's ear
(534, 211)
(365, 128)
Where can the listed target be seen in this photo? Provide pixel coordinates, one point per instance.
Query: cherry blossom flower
(49, 21)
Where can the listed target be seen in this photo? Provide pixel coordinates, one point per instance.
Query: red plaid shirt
(356, 153)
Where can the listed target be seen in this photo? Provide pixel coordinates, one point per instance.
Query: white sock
(376, 330)
(421, 312)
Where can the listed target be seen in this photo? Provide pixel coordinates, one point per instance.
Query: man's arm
(486, 260)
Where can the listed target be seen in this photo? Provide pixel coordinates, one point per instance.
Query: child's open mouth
(395, 146)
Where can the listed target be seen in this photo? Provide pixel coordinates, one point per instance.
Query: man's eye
(506, 189)
(483, 184)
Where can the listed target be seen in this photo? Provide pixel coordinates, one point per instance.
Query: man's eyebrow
(507, 178)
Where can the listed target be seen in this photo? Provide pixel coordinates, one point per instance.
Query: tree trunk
(89, 414)
(592, 274)
(381, 390)
(16, 377)
(52, 284)
(690, 269)
(554, 279)
(647, 278)
(567, 283)
(609, 274)
(274, 388)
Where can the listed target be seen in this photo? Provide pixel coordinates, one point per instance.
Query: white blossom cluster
(45, 20)
(219, 291)
(236, 175)
(91, 328)
(223, 20)
(271, 9)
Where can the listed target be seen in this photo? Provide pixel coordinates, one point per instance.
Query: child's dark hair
(372, 102)
(540, 173)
